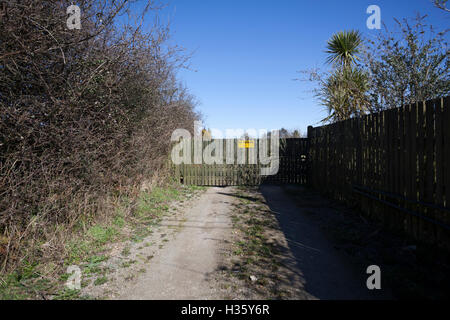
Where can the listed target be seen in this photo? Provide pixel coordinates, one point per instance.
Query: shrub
(84, 115)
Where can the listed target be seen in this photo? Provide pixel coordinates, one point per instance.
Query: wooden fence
(292, 164)
(293, 167)
(394, 165)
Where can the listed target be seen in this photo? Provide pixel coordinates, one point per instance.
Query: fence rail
(390, 164)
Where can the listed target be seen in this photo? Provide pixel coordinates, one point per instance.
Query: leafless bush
(84, 113)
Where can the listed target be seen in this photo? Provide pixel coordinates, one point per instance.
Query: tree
(441, 4)
(343, 48)
(408, 68)
(284, 133)
(343, 92)
(289, 133)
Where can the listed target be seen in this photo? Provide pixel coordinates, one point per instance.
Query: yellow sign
(246, 144)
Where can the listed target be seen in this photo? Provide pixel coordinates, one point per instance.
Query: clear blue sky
(247, 53)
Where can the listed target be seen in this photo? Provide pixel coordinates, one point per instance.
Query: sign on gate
(246, 144)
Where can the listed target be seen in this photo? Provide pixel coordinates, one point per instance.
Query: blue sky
(247, 53)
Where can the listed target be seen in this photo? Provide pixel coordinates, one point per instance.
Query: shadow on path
(326, 272)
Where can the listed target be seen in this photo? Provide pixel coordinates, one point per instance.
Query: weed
(119, 221)
(67, 294)
(85, 283)
(101, 235)
(127, 264)
(100, 281)
(28, 271)
(11, 289)
(77, 251)
(129, 278)
(126, 251)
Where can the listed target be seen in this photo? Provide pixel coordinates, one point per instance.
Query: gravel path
(188, 264)
(181, 269)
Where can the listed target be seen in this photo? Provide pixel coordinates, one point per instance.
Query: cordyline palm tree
(344, 91)
(343, 48)
(344, 94)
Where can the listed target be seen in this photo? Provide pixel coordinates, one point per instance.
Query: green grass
(98, 259)
(119, 221)
(16, 287)
(96, 238)
(102, 234)
(67, 294)
(127, 264)
(126, 251)
(88, 250)
(11, 289)
(28, 270)
(94, 267)
(100, 281)
(77, 250)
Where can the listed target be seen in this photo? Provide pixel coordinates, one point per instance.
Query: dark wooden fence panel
(394, 165)
(292, 167)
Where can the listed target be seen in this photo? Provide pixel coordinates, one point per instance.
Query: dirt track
(180, 270)
(325, 271)
(185, 267)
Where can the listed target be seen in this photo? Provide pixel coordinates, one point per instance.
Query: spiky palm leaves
(344, 94)
(343, 48)
(344, 91)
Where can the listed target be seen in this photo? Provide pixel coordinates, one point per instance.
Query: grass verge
(90, 245)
